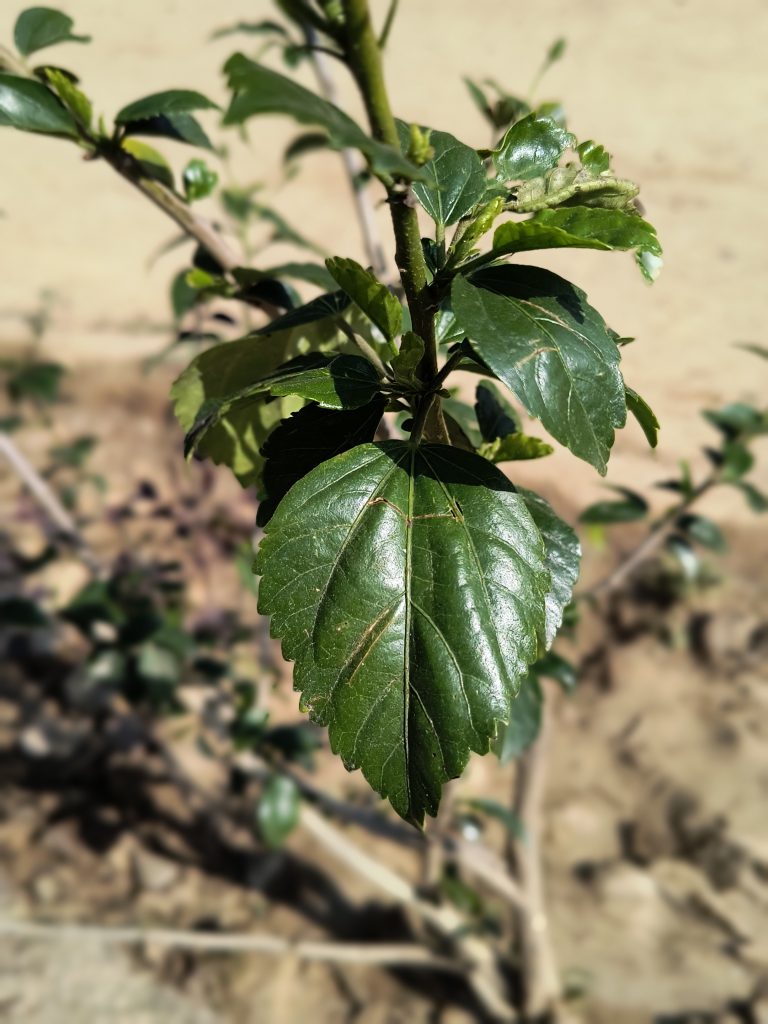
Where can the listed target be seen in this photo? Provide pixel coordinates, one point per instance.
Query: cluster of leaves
(410, 581)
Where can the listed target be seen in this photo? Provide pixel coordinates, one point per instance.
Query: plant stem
(364, 58)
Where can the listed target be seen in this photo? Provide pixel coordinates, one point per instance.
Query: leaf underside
(409, 585)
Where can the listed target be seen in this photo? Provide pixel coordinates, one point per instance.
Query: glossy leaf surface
(644, 415)
(27, 105)
(530, 148)
(409, 587)
(542, 339)
(321, 308)
(259, 90)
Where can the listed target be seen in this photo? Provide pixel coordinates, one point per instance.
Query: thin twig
(540, 976)
(378, 954)
(655, 540)
(354, 165)
(48, 502)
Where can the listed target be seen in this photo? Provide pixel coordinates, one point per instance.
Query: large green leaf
(38, 27)
(583, 227)
(159, 104)
(458, 179)
(530, 148)
(259, 90)
(366, 291)
(29, 106)
(305, 440)
(563, 557)
(409, 586)
(552, 349)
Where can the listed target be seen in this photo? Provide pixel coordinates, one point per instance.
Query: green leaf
(183, 296)
(466, 418)
(524, 721)
(27, 105)
(632, 508)
(406, 362)
(702, 530)
(38, 27)
(583, 227)
(553, 666)
(496, 417)
(305, 440)
(644, 415)
(457, 177)
(259, 90)
(410, 621)
(594, 157)
(312, 273)
(76, 102)
(164, 104)
(737, 460)
(152, 163)
(756, 500)
(563, 559)
(321, 308)
(504, 815)
(373, 298)
(39, 382)
(180, 127)
(277, 812)
(252, 28)
(530, 148)
(737, 418)
(514, 448)
(757, 350)
(235, 440)
(538, 334)
(308, 142)
(199, 180)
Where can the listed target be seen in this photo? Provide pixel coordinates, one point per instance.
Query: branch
(655, 540)
(354, 165)
(48, 501)
(378, 954)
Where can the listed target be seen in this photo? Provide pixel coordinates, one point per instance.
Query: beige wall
(676, 89)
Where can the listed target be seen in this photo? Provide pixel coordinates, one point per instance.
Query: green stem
(363, 55)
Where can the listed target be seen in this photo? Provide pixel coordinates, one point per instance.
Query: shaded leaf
(756, 499)
(38, 27)
(259, 90)
(164, 104)
(524, 721)
(496, 417)
(406, 362)
(305, 440)
(308, 142)
(180, 127)
(630, 509)
(27, 105)
(553, 666)
(428, 618)
(757, 350)
(530, 148)
(538, 334)
(703, 531)
(369, 294)
(321, 308)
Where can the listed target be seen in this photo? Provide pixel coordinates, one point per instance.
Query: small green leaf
(407, 360)
(27, 105)
(703, 531)
(644, 415)
(76, 102)
(594, 157)
(756, 500)
(183, 296)
(199, 180)
(259, 90)
(757, 350)
(308, 142)
(427, 618)
(306, 439)
(737, 460)
(457, 178)
(180, 127)
(251, 28)
(632, 508)
(163, 104)
(312, 273)
(524, 721)
(152, 163)
(369, 294)
(737, 418)
(538, 334)
(321, 308)
(38, 27)
(277, 812)
(553, 666)
(514, 448)
(530, 148)
(39, 382)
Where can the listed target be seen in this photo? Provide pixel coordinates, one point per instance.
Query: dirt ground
(656, 843)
